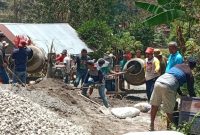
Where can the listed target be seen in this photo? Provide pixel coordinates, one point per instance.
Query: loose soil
(82, 112)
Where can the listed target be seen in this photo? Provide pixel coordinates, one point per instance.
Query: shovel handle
(23, 84)
(89, 99)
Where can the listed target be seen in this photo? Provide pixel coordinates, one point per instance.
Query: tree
(164, 12)
(97, 35)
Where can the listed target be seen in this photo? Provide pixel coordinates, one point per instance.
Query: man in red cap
(20, 56)
(152, 68)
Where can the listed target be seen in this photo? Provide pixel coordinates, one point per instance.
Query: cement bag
(143, 106)
(155, 133)
(124, 112)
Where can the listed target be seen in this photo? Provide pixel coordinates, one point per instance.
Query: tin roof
(62, 35)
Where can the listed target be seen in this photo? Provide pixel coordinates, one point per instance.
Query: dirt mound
(67, 105)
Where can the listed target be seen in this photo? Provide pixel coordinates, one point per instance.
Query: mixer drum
(137, 75)
(37, 61)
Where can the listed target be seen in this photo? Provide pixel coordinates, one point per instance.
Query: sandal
(151, 127)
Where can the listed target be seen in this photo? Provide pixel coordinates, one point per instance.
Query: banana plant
(164, 12)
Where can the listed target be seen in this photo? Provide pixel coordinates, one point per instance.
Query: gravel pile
(53, 102)
(21, 116)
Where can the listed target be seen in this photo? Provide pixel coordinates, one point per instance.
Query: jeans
(80, 75)
(4, 75)
(66, 78)
(149, 87)
(101, 89)
(20, 75)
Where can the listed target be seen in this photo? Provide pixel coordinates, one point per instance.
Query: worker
(3, 62)
(138, 54)
(163, 60)
(3, 65)
(60, 58)
(81, 67)
(152, 68)
(95, 77)
(103, 65)
(67, 63)
(167, 86)
(21, 55)
(175, 57)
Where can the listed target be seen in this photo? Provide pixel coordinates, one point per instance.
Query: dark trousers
(150, 87)
(4, 75)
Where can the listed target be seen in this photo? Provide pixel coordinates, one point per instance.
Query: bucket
(189, 107)
(110, 85)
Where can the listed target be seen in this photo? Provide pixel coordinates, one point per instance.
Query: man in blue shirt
(175, 57)
(20, 56)
(167, 86)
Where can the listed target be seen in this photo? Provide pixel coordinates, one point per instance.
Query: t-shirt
(96, 75)
(60, 58)
(21, 56)
(122, 64)
(152, 68)
(67, 62)
(82, 62)
(173, 60)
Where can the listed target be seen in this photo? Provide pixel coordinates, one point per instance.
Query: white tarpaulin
(62, 35)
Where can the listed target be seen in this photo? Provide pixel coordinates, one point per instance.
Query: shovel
(130, 69)
(23, 84)
(102, 109)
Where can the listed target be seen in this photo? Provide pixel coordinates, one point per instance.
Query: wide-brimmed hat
(5, 43)
(149, 50)
(157, 52)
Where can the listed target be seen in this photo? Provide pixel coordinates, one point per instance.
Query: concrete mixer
(37, 61)
(135, 76)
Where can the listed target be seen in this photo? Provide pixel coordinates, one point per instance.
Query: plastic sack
(124, 112)
(143, 106)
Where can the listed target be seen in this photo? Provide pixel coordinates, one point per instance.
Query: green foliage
(150, 7)
(144, 34)
(127, 42)
(97, 35)
(185, 128)
(159, 39)
(164, 12)
(164, 18)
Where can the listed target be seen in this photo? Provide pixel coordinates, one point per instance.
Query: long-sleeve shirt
(173, 60)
